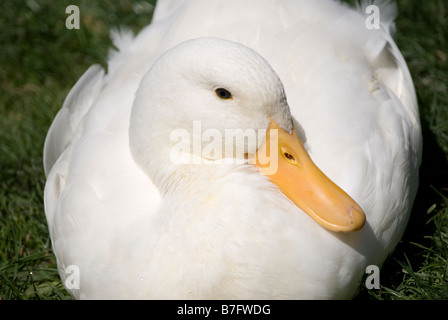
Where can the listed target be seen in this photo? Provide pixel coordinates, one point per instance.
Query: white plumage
(138, 226)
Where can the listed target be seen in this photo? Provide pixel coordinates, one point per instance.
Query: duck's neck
(196, 178)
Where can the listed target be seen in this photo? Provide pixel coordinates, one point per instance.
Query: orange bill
(290, 167)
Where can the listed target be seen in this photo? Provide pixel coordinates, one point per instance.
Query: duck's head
(200, 95)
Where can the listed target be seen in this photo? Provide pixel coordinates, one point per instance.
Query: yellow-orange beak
(290, 167)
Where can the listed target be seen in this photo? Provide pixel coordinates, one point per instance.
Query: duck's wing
(63, 133)
(350, 89)
(390, 69)
(94, 189)
(78, 102)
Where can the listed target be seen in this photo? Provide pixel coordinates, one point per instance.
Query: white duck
(127, 220)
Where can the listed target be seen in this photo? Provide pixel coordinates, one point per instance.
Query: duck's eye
(290, 157)
(223, 93)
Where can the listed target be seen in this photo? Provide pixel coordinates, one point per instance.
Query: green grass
(41, 60)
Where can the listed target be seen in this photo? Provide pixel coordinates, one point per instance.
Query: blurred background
(40, 60)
